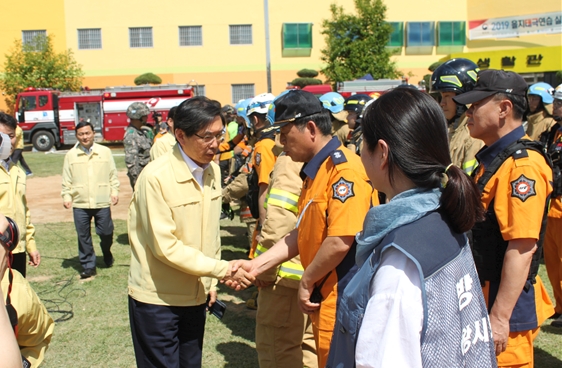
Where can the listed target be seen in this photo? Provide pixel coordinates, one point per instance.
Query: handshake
(241, 274)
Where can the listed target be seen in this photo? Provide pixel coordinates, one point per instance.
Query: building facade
(220, 46)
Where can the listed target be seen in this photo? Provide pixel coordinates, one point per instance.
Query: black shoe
(555, 316)
(87, 273)
(109, 260)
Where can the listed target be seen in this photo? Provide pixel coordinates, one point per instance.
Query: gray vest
(456, 330)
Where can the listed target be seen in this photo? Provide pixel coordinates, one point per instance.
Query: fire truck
(48, 117)
(373, 88)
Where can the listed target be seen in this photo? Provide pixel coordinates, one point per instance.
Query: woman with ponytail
(416, 300)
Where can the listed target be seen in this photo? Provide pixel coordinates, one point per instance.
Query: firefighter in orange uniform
(514, 178)
(263, 159)
(335, 198)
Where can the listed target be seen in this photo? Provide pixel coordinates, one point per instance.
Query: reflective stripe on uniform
(245, 213)
(283, 199)
(291, 271)
(260, 249)
(288, 270)
(468, 166)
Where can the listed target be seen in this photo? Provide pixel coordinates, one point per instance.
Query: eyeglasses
(208, 138)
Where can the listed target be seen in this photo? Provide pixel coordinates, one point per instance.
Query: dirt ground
(45, 202)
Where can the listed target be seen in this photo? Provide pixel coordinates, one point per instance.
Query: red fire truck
(48, 117)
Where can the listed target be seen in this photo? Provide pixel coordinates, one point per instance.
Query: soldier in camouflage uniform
(137, 143)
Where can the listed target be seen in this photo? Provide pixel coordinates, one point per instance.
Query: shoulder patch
(343, 190)
(338, 157)
(520, 154)
(523, 188)
(258, 159)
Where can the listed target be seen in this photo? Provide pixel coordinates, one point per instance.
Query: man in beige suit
(175, 242)
(89, 187)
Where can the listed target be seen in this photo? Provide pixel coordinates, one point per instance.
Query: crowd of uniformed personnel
(291, 164)
(516, 194)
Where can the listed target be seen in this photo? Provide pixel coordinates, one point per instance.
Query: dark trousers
(166, 336)
(19, 262)
(18, 156)
(104, 229)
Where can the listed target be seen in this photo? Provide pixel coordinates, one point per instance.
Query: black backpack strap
(518, 150)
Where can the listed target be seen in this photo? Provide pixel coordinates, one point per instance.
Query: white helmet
(558, 92)
(260, 104)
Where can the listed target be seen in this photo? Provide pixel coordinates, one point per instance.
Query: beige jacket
(174, 233)
(35, 325)
(538, 123)
(162, 145)
(13, 204)
(463, 147)
(19, 138)
(89, 181)
(282, 209)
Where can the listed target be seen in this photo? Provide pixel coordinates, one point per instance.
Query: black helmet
(356, 103)
(455, 75)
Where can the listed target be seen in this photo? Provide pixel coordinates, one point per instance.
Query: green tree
(306, 78)
(356, 43)
(36, 64)
(147, 78)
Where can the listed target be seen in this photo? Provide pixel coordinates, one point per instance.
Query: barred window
(140, 37)
(28, 37)
(89, 39)
(241, 34)
(242, 92)
(191, 35)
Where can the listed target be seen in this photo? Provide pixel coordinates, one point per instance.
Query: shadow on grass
(552, 330)
(238, 355)
(74, 263)
(545, 360)
(123, 239)
(235, 230)
(239, 319)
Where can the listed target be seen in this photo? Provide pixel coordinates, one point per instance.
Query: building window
(199, 90)
(89, 39)
(191, 36)
(397, 35)
(242, 92)
(297, 35)
(451, 34)
(241, 34)
(29, 37)
(421, 34)
(140, 37)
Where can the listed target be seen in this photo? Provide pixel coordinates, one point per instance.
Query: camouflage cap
(137, 110)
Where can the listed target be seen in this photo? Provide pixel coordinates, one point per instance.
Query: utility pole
(267, 48)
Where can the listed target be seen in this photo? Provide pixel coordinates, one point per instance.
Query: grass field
(50, 163)
(92, 328)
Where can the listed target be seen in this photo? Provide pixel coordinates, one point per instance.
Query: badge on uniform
(343, 190)
(258, 159)
(523, 188)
